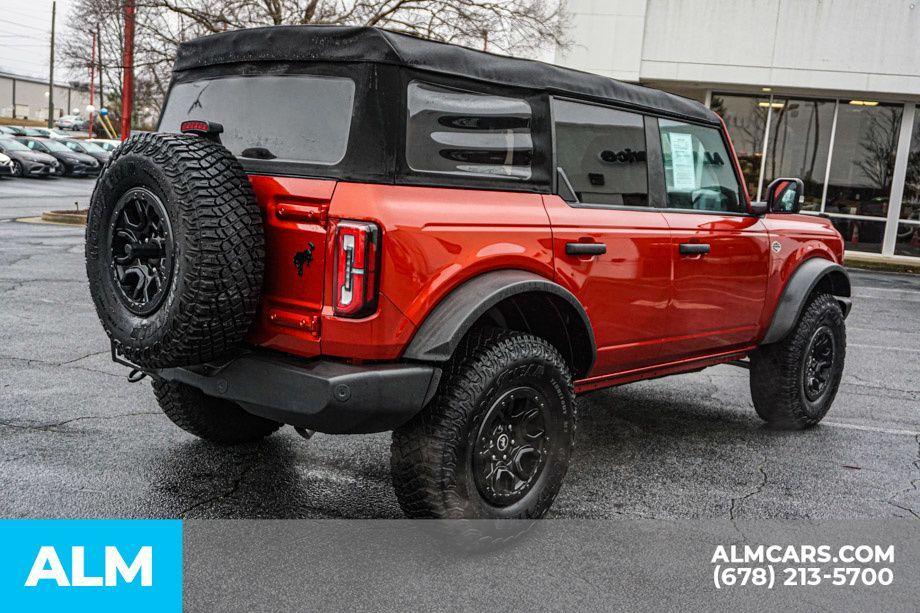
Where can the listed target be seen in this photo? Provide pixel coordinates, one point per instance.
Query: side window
(602, 153)
(72, 146)
(697, 168)
(458, 132)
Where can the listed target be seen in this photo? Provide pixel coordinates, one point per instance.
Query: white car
(106, 143)
(70, 122)
(6, 165)
(48, 133)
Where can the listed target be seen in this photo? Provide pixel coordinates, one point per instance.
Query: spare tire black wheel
(174, 250)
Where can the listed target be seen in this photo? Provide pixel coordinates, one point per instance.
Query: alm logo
(47, 567)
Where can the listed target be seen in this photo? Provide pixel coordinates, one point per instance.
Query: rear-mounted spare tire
(174, 250)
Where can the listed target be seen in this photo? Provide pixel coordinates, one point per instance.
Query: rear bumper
(324, 396)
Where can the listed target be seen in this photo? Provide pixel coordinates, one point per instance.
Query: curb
(73, 218)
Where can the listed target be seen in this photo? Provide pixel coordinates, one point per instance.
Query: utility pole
(51, 70)
(99, 45)
(127, 87)
(92, 79)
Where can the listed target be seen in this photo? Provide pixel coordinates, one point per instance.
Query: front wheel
(794, 381)
(17, 169)
(496, 441)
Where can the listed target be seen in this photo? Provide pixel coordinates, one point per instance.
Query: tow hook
(136, 374)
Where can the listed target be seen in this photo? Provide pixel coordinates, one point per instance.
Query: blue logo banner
(91, 565)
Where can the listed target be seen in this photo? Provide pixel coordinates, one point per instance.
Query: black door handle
(585, 248)
(694, 248)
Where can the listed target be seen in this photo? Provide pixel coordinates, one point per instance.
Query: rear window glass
(466, 133)
(294, 118)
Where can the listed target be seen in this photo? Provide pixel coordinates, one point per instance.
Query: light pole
(127, 87)
(50, 71)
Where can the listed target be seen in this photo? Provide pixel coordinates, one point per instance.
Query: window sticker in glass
(467, 133)
(698, 169)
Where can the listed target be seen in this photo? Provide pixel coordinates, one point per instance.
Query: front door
(720, 253)
(611, 247)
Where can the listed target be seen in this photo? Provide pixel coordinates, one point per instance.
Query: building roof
(359, 44)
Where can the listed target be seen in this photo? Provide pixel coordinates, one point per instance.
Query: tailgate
(294, 215)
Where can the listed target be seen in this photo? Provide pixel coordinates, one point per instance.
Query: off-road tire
(431, 461)
(213, 419)
(778, 370)
(217, 258)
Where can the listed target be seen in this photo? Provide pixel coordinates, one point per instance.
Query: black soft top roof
(373, 45)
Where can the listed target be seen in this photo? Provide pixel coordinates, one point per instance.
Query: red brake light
(201, 128)
(356, 261)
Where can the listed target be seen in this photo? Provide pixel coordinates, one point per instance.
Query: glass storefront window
(860, 234)
(746, 120)
(800, 135)
(862, 164)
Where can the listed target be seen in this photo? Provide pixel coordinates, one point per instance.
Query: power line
(22, 25)
(42, 18)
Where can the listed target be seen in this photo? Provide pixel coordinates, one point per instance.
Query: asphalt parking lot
(78, 440)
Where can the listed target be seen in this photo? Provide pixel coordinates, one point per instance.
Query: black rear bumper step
(324, 396)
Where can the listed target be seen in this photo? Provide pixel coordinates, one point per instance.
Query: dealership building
(824, 90)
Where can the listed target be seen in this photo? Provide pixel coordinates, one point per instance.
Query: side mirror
(785, 196)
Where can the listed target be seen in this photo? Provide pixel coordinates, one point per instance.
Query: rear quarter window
(288, 118)
(463, 133)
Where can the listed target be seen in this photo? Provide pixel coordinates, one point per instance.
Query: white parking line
(885, 347)
(835, 424)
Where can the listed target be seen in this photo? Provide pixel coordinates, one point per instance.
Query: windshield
(12, 145)
(300, 118)
(53, 145)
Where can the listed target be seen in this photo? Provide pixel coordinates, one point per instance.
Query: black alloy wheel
(140, 249)
(818, 362)
(510, 446)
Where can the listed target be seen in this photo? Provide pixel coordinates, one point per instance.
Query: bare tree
(516, 27)
(879, 142)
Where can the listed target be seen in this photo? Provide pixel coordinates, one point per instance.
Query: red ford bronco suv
(351, 230)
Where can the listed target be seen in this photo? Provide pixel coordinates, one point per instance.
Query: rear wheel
(794, 381)
(212, 419)
(496, 440)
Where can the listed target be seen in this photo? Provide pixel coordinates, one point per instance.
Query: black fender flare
(799, 287)
(446, 325)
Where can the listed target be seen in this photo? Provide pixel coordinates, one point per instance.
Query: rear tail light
(357, 255)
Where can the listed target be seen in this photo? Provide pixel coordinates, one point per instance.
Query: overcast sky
(25, 32)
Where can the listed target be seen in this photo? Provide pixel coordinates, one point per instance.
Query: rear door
(611, 248)
(720, 252)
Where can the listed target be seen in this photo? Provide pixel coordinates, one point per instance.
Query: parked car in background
(46, 133)
(108, 144)
(7, 131)
(70, 122)
(15, 130)
(6, 165)
(72, 163)
(89, 148)
(29, 163)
